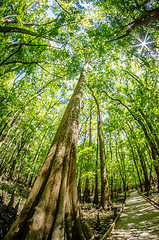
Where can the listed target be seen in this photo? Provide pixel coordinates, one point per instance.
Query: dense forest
(79, 108)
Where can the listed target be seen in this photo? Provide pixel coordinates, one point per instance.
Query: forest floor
(10, 204)
(153, 194)
(98, 219)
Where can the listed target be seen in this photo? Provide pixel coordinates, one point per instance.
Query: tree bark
(96, 198)
(87, 191)
(150, 16)
(51, 210)
(111, 158)
(5, 29)
(142, 161)
(105, 201)
(32, 170)
(121, 169)
(135, 163)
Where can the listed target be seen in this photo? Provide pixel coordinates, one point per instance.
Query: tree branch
(118, 100)
(19, 62)
(25, 31)
(62, 7)
(44, 69)
(8, 21)
(150, 17)
(11, 70)
(3, 62)
(27, 44)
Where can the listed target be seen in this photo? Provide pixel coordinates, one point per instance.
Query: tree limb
(27, 44)
(62, 7)
(150, 17)
(25, 31)
(10, 70)
(118, 100)
(26, 23)
(3, 62)
(19, 62)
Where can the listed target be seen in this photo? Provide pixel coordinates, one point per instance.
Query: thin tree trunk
(87, 192)
(80, 176)
(80, 184)
(96, 198)
(111, 158)
(135, 163)
(10, 128)
(121, 171)
(150, 127)
(35, 158)
(154, 149)
(142, 161)
(105, 201)
(22, 160)
(8, 148)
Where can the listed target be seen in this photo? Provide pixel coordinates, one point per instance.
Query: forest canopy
(44, 47)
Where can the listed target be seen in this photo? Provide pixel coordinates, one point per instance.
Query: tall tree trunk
(105, 201)
(87, 191)
(96, 198)
(121, 170)
(3, 157)
(51, 210)
(111, 158)
(150, 127)
(80, 174)
(10, 163)
(22, 160)
(142, 160)
(35, 159)
(80, 184)
(135, 163)
(10, 128)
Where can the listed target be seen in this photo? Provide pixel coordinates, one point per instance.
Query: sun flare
(143, 43)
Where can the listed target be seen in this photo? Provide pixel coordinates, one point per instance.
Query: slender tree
(105, 193)
(87, 192)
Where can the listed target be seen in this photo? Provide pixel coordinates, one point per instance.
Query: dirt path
(139, 220)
